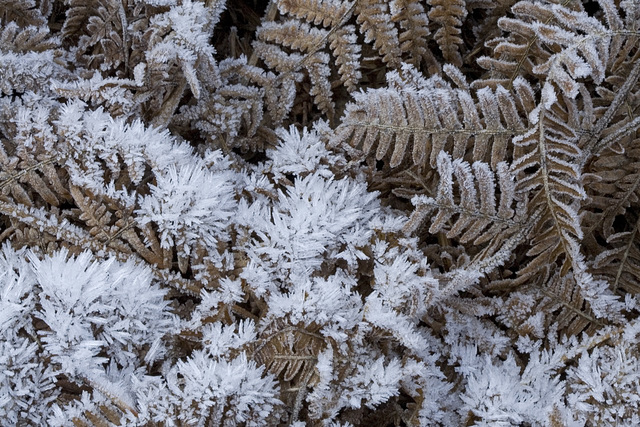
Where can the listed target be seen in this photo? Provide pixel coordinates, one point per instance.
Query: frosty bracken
(319, 213)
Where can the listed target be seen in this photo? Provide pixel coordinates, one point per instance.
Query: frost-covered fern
(319, 213)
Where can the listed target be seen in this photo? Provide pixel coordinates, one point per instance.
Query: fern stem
(593, 146)
(630, 127)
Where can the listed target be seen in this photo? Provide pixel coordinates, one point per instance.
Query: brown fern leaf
(620, 265)
(308, 40)
(290, 354)
(293, 44)
(101, 29)
(517, 54)
(22, 12)
(344, 46)
(294, 34)
(319, 73)
(27, 39)
(376, 24)
(30, 174)
(564, 304)
(556, 42)
(414, 24)
(479, 218)
(531, 311)
(449, 15)
(544, 169)
(108, 408)
(432, 120)
(325, 12)
(613, 186)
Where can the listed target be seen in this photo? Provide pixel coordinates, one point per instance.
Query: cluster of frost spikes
(307, 234)
(75, 318)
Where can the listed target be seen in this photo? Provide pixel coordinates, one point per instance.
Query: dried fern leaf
(613, 186)
(344, 46)
(376, 24)
(479, 217)
(561, 43)
(22, 12)
(27, 39)
(544, 169)
(326, 12)
(620, 265)
(290, 354)
(414, 24)
(319, 74)
(449, 15)
(431, 120)
(564, 304)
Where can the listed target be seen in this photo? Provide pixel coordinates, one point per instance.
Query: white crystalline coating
(189, 204)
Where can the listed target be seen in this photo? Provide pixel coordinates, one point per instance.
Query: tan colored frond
(376, 24)
(613, 186)
(559, 42)
(564, 304)
(29, 39)
(327, 13)
(620, 265)
(22, 12)
(290, 354)
(319, 73)
(545, 170)
(466, 206)
(413, 36)
(430, 120)
(343, 43)
(449, 15)
(101, 28)
(293, 34)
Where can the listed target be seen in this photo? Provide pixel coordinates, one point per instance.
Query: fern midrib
(436, 131)
(623, 259)
(16, 177)
(474, 213)
(542, 147)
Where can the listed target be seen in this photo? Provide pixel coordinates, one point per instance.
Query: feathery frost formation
(319, 212)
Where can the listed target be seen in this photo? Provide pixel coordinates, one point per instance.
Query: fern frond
(472, 201)
(344, 46)
(27, 39)
(544, 169)
(319, 73)
(293, 34)
(620, 265)
(565, 305)
(376, 24)
(329, 13)
(560, 43)
(519, 52)
(291, 354)
(414, 24)
(101, 30)
(22, 12)
(431, 120)
(449, 15)
(613, 185)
